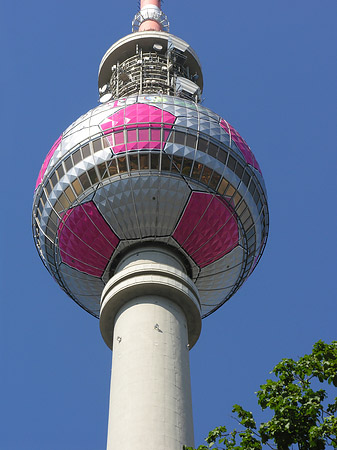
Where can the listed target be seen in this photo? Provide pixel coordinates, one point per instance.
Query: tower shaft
(145, 306)
(150, 395)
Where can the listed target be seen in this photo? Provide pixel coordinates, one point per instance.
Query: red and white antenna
(150, 17)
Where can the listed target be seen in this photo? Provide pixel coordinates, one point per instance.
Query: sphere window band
(140, 134)
(149, 161)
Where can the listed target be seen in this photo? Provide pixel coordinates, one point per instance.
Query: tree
(302, 416)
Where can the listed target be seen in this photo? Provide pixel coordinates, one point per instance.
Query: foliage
(302, 416)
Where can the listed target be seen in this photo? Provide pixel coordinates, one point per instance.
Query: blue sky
(270, 70)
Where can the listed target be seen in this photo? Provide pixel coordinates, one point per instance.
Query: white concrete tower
(150, 310)
(150, 317)
(150, 211)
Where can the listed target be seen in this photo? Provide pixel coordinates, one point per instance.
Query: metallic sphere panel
(207, 229)
(227, 272)
(86, 242)
(150, 168)
(47, 161)
(86, 289)
(144, 206)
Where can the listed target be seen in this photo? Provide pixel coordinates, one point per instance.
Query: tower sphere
(150, 165)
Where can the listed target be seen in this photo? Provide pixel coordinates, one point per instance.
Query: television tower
(150, 211)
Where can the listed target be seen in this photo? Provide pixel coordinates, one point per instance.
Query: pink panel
(119, 148)
(46, 161)
(86, 241)
(138, 146)
(132, 146)
(207, 230)
(132, 135)
(106, 127)
(143, 134)
(138, 115)
(119, 138)
(241, 144)
(116, 103)
(155, 135)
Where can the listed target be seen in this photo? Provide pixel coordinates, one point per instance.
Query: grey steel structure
(150, 211)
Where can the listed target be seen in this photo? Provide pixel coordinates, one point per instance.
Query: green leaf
(298, 412)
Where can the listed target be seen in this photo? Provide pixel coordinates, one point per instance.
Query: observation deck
(150, 62)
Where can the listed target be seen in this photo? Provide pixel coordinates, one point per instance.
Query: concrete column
(151, 315)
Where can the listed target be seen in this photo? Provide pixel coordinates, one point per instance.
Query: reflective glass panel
(246, 178)
(206, 174)
(155, 161)
(180, 138)
(103, 171)
(112, 167)
(53, 179)
(64, 201)
(176, 163)
(68, 163)
(230, 191)
(248, 224)
(241, 208)
(252, 187)
(214, 180)
(97, 145)
(69, 193)
(144, 161)
(84, 180)
(86, 151)
(133, 162)
(77, 157)
(212, 149)
(223, 186)
(93, 175)
(231, 162)
(122, 164)
(187, 165)
(239, 170)
(202, 145)
(165, 162)
(77, 187)
(60, 171)
(191, 140)
(43, 198)
(197, 169)
(244, 216)
(236, 199)
(48, 187)
(222, 156)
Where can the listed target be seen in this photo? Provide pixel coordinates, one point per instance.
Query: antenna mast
(150, 17)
